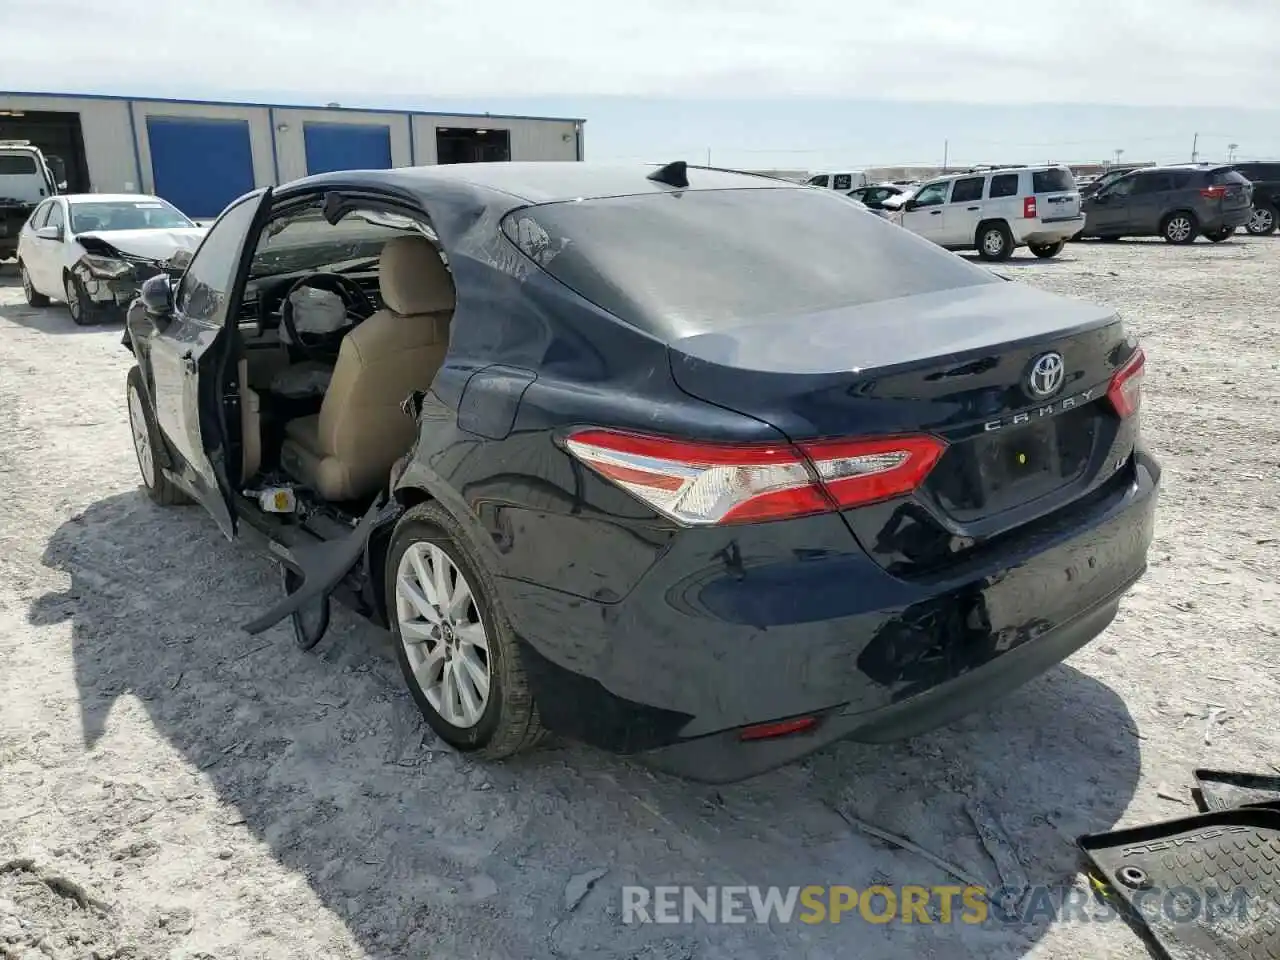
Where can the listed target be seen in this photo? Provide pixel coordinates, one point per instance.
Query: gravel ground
(171, 787)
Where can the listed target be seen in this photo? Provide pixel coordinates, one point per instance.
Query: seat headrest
(413, 278)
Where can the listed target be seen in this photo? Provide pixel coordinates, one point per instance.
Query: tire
(1264, 220)
(77, 300)
(1179, 227)
(507, 720)
(34, 297)
(159, 488)
(1217, 236)
(994, 242)
(1046, 250)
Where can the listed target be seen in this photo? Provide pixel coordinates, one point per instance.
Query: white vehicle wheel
(34, 298)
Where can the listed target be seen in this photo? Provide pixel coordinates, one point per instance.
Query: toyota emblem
(1047, 373)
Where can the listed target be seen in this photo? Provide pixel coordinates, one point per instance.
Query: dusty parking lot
(216, 795)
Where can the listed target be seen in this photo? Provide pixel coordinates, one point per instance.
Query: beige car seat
(347, 450)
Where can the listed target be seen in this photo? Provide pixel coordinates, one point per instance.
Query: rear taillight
(1125, 389)
(1029, 207)
(1213, 193)
(700, 484)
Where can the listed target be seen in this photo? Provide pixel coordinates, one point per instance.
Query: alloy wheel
(74, 306)
(27, 290)
(141, 438)
(1260, 221)
(1178, 229)
(993, 242)
(444, 639)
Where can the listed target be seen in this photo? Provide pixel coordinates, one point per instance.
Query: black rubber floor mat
(1224, 789)
(1199, 887)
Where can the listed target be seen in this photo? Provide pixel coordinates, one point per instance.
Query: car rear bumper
(1230, 218)
(1051, 230)
(719, 636)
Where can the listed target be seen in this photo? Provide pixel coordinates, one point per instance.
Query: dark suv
(1265, 178)
(1175, 202)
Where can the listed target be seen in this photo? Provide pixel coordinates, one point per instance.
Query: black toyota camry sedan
(699, 466)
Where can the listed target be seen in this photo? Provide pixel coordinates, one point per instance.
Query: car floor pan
(1224, 789)
(1200, 887)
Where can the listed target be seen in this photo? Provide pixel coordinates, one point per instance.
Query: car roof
(545, 181)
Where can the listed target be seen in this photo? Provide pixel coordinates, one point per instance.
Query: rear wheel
(34, 297)
(146, 441)
(454, 644)
(1179, 227)
(994, 242)
(77, 300)
(1217, 236)
(1262, 221)
(1046, 250)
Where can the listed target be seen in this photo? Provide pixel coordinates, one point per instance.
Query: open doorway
(57, 134)
(467, 145)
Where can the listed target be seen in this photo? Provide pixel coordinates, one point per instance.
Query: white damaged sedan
(94, 250)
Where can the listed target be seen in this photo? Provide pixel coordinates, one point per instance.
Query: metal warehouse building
(199, 155)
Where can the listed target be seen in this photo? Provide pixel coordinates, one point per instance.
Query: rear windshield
(16, 164)
(679, 264)
(1052, 181)
(1224, 177)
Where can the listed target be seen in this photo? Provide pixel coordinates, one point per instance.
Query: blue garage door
(200, 165)
(346, 146)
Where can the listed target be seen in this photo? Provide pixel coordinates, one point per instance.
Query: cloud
(1158, 52)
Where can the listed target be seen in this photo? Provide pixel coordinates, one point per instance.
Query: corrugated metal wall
(119, 154)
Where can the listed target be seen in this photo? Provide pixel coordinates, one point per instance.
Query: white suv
(995, 211)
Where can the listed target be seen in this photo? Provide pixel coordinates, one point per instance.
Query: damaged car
(94, 251)
(698, 466)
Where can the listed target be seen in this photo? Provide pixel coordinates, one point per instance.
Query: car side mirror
(50, 233)
(157, 295)
(1101, 198)
(909, 205)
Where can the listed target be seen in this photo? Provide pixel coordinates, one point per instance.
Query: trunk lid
(956, 364)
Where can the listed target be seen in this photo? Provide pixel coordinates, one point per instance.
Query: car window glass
(1153, 183)
(208, 279)
(1179, 181)
(40, 215)
(968, 189)
(1004, 185)
(1054, 180)
(141, 214)
(821, 180)
(1122, 187)
(55, 216)
(933, 194)
(17, 164)
(702, 261)
(842, 181)
(1223, 177)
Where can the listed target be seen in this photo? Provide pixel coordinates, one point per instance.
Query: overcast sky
(1186, 54)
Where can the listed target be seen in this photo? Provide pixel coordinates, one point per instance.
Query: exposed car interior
(339, 323)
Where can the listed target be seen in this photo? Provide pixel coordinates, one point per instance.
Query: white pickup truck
(26, 178)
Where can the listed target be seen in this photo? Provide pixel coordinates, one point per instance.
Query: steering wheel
(321, 346)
